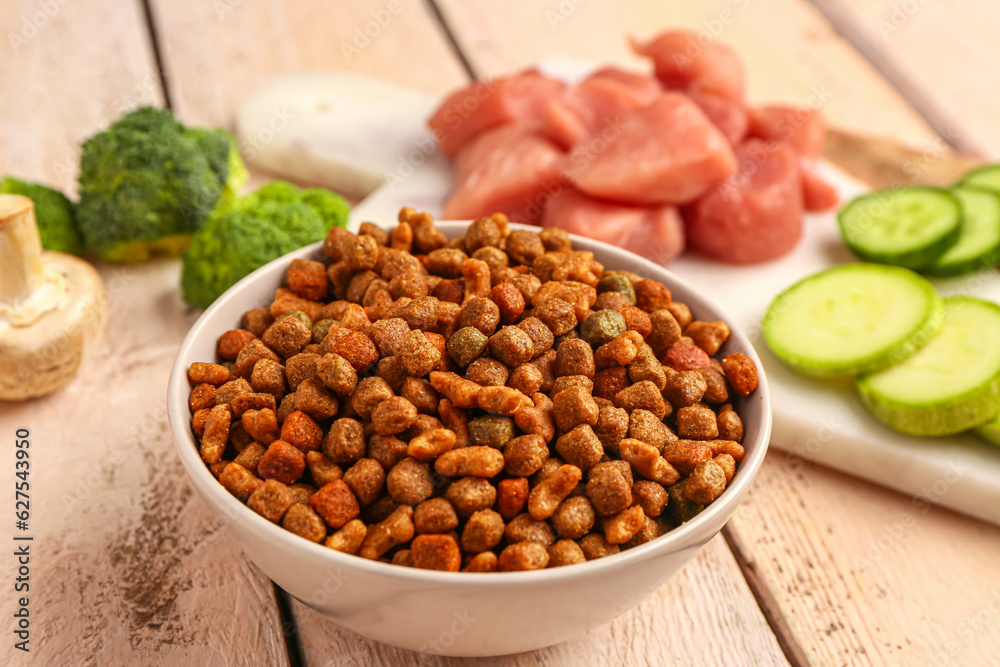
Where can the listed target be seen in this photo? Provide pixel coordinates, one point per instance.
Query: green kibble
(321, 329)
(466, 345)
(617, 283)
(569, 335)
(491, 431)
(299, 315)
(679, 508)
(602, 327)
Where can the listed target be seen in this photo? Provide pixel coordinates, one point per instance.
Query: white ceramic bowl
(461, 614)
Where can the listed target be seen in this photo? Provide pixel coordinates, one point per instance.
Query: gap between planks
(154, 43)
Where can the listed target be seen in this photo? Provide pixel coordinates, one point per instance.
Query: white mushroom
(52, 307)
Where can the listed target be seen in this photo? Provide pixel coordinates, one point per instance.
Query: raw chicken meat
(756, 214)
(655, 232)
(817, 194)
(682, 62)
(508, 170)
(595, 103)
(466, 114)
(728, 115)
(801, 127)
(666, 153)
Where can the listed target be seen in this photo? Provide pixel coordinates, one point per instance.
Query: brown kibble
(239, 481)
(594, 546)
(651, 295)
(580, 447)
(401, 237)
(357, 348)
(487, 372)
(623, 526)
(546, 363)
(366, 479)
(387, 450)
(541, 336)
(433, 443)
(271, 500)
(481, 313)
(245, 402)
(232, 342)
(231, 390)
(268, 376)
(257, 321)
(523, 556)
(420, 313)
(455, 420)
(524, 528)
(300, 368)
(557, 314)
(262, 425)
(435, 515)
(336, 503)
(526, 378)
(482, 232)
(555, 239)
(642, 396)
(482, 562)
(337, 374)
(551, 491)
(741, 373)
(525, 455)
(502, 400)
(213, 374)
(483, 531)
(285, 301)
(681, 313)
(509, 301)
(416, 353)
(512, 346)
(359, 252)
(512, 495)
(370, 392)
(216, 434)
(716, 389)
(300, 430)
(313, 398)
(664, 332)
(609, 489)
(476, 274)
(647, 367)
(706, 482)
(565, 552)
(574, 517)
(307, 279)
(393, 415)
(574, 406)
(644, 426)
(460, 392)
(610, 381)
(287, 336)
(345, 441)
(436, 552)
(728, 465)
(697, 422)
(304, 522)
(730, 447)
(685, 388)
(250, 457)
(646, 460)
(380, 235)
(396, 529)
(471, 494)
(637, 319)
(202, 397)
(409, 482)
(685, 455)
(349, 538)
(575, 357)
(709, 336)
(652, 497)
(283, 462)
(619, 352)
(612, 425)
(470, 461)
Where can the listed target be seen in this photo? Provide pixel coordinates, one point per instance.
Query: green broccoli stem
(21, 271)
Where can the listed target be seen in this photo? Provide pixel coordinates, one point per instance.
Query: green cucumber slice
(908, 227)
(978, 243)
(951, 384)
(990, 431)
(851, 319)
(987, 176)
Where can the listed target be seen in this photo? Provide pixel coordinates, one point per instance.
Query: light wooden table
(128, 565)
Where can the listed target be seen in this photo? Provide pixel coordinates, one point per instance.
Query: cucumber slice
(908, 227)
(978, 244)
(851, 319)
(987, 176)
(990, 431)
(951, 384)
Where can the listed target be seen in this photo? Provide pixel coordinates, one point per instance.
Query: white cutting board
(332, 116)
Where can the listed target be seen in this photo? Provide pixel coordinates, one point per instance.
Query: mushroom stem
(21, 272)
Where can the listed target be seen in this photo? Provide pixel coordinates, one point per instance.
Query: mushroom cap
(42, 357)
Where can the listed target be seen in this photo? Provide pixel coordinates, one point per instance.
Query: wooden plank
(940, 54)
(216, 53)
(128, 566)
(705, 615)
(791, 53)
(804, 535)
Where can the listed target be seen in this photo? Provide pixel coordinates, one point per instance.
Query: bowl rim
(679, 538)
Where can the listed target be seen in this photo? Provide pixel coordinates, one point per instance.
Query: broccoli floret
(250, 232)
(53, 212)
(147, 183)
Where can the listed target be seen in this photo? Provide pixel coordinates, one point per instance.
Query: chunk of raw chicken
(756, 214)
(666, 153)
(469, 112)
(595, 103)
(802, 128)
(682, 62)
(730, 116)
(509, 170)
(817, 194)
(655, 232)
